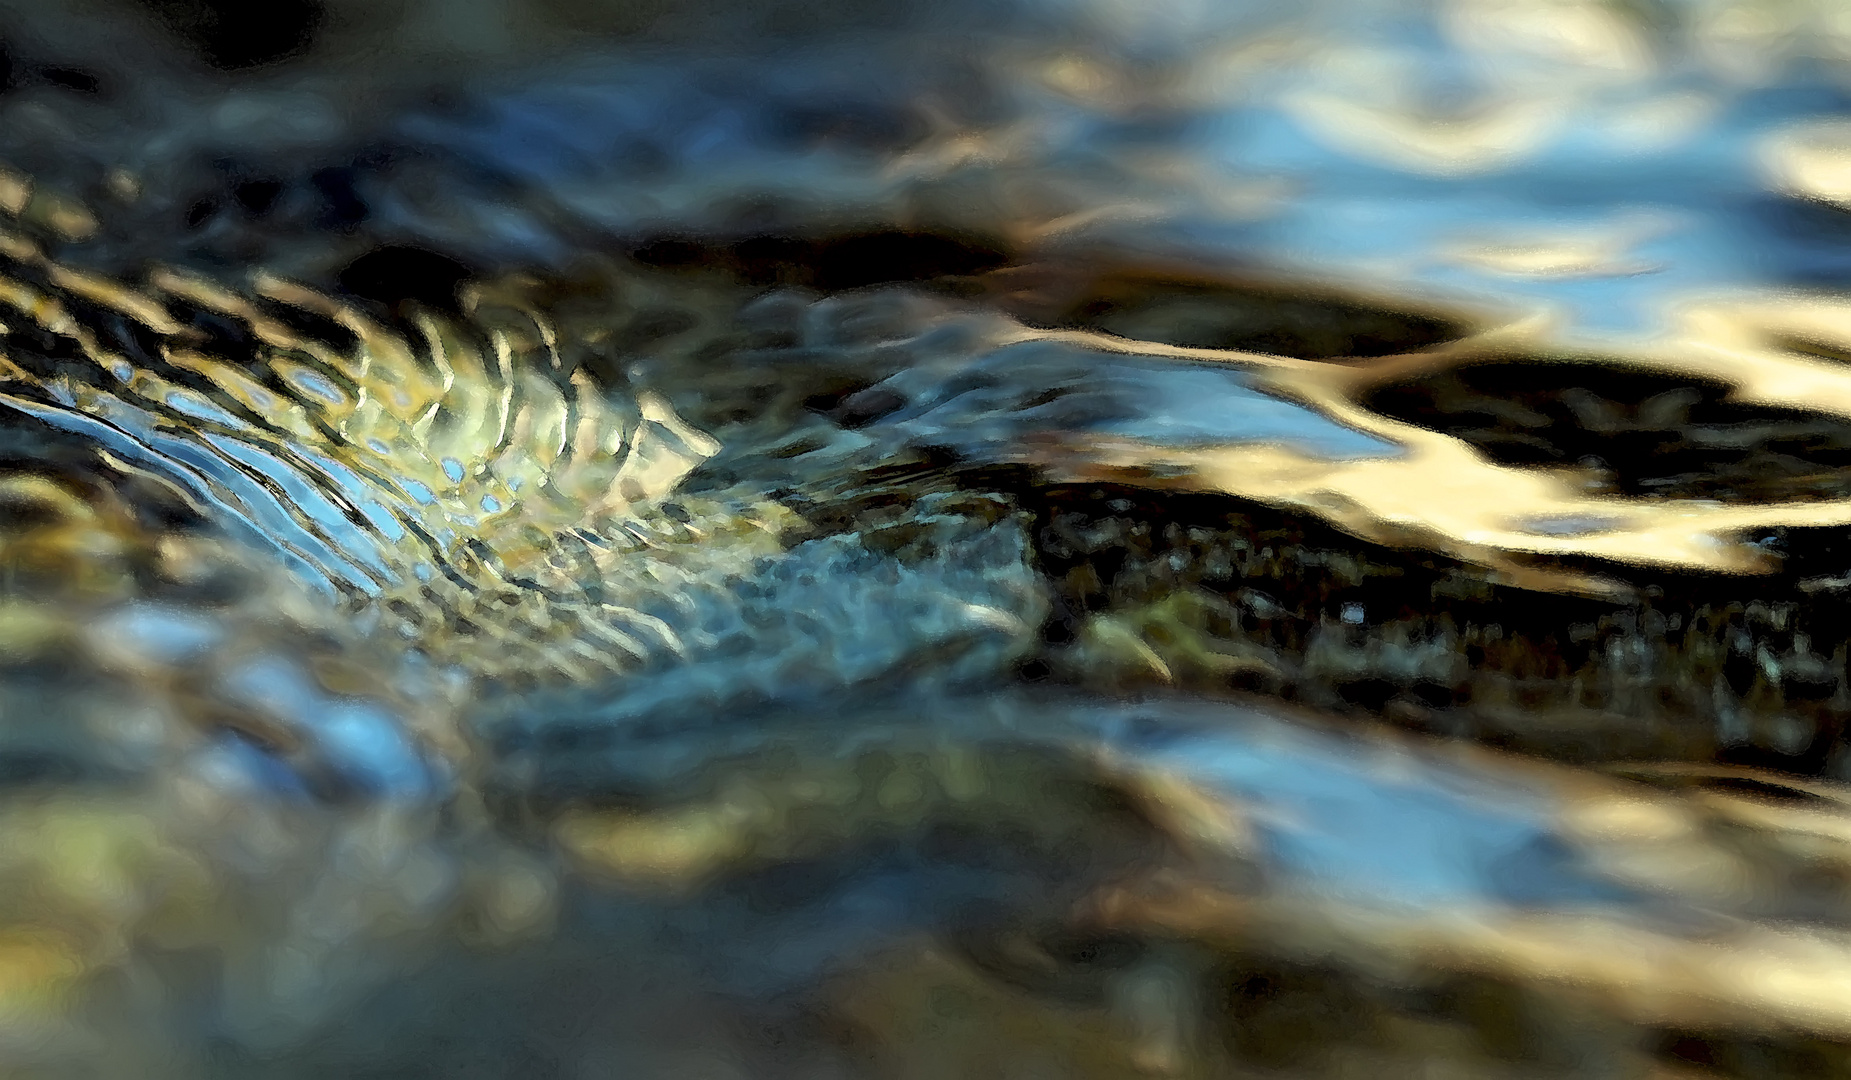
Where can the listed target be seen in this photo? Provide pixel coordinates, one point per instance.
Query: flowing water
(1063, 538)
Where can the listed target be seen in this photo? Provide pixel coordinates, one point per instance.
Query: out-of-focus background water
(1602, 157)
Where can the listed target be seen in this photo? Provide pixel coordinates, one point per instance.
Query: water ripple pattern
(467, 469)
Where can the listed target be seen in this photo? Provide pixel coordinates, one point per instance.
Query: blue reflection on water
(361, 740)
(617, 135)
(1371, 825)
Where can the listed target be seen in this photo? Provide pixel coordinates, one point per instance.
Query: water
(542, 538)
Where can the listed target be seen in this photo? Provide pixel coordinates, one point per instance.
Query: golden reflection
(1492, 135)
(1811, 160)
(1440, 492)
(1560, 253)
